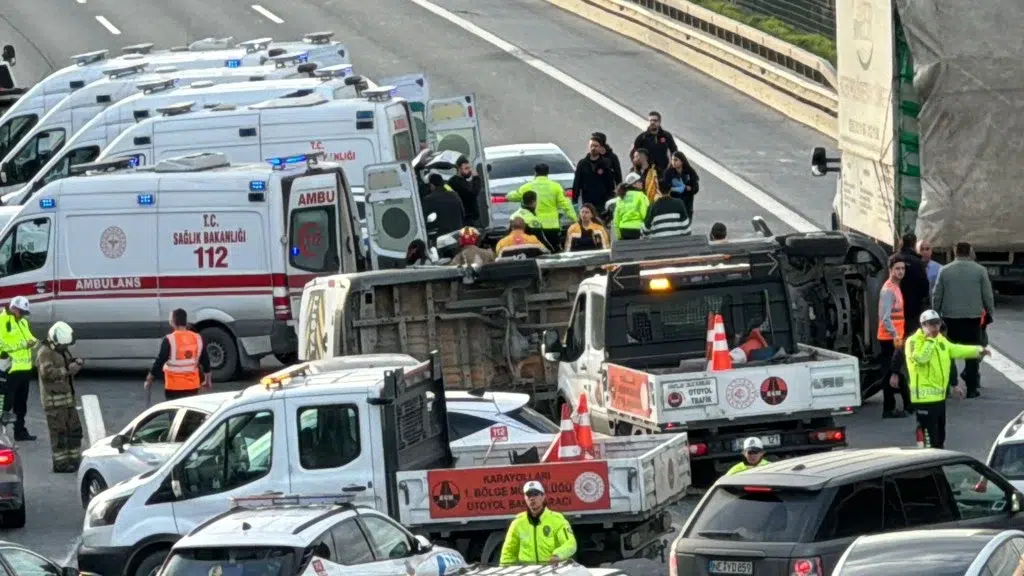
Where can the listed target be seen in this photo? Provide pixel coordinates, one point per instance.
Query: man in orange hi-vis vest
(182, 359)
(891, 326)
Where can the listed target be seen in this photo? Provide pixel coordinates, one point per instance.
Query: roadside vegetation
(813, 43)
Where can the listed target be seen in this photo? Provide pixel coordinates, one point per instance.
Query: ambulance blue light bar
(304, 57)
(257, 185)
(281, 162)
(47, 203)
(232, 63)
(146, 199)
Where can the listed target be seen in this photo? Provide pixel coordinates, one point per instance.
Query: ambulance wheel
(15, 518)
(222, 350)
(150, 564)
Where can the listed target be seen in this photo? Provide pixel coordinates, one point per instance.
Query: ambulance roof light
(256, 44)
(113, 164)
(90, 57)
(206, 44)
(151, 86)
(198, 162)
(281, 499)
(380, 93)
(307, 68)
(289, 58)
(282, 162)
(123, 70)
(336, 71)
(146, 199)
(47, 203)
(319, 37)
(144, 48)
(176, 109)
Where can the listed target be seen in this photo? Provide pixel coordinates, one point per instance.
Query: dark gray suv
(797, 516)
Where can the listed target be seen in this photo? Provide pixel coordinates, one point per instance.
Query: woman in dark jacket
(683, 180)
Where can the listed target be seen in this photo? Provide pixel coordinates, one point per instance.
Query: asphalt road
(547, 76)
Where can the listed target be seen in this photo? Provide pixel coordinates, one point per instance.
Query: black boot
(22, 435)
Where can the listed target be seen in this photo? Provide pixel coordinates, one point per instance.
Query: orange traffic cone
(719, 358)
(564, 448)
(756, 341)
(584, 433)
(921, 440)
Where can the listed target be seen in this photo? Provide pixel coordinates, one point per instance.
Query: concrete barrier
(92, 419)
(800, 85)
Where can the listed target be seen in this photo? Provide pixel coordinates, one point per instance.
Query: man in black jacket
(657, 141)
(468, 185)
(914, 286)
(593, 183)
(444, 202)
(613, 158)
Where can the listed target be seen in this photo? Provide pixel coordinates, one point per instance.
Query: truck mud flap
(816, 245)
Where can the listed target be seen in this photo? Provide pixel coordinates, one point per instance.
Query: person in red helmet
(470, 254)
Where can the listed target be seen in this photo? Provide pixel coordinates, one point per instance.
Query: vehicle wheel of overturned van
(623, 429)
(150, 565)
(817, 245)
(223, 352)
(14, 518)
(92, 485)
(287, 359)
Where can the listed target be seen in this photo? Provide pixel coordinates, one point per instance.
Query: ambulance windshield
(14, 130)
(233, 561)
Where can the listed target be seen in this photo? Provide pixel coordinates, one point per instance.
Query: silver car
(950, 552)
(12, 479)
(511, 165)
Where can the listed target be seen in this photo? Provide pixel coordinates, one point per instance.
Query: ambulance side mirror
(8, 54)
(1015, 502)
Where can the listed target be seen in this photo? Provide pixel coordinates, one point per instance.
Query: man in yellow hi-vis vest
(16, 343)
(753, 456)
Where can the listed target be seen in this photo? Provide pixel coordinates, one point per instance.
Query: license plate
(769, 441)
(730, 567)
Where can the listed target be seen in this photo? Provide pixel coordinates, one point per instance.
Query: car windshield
(522, 166)
(535, 420)
(1008, 460)
(232, 561)
(755, 514)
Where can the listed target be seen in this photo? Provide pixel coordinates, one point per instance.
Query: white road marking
(268, 14)
(106, 24)
(998, 361)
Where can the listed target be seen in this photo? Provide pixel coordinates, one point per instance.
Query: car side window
(388, 540)
(154, 428)
(461, 425)
(1004, 561)
(923, 500)
(597, 321)
(350, 543)
(856, 509)
(190, 422)
(975, 495)
(235, 453)
(328, 436)
(323, 547)
(25, 563)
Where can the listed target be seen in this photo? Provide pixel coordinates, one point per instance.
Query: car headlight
(105, 512)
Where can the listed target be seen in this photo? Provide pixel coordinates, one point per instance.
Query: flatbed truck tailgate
(664, 399)
(635, 475)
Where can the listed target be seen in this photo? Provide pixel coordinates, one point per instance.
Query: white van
(88, 68)
(358, 132)
(49, 137)
(112, 253)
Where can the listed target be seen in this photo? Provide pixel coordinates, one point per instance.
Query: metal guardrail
(791, 80)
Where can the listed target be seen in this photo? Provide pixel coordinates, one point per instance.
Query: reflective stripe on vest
(898, 320)
(181, 371)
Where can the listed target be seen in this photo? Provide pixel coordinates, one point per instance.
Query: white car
(511, 165)
(1007, 453)
(153, 436)
(308, 536)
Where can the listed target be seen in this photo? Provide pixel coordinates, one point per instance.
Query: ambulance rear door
(394, 217)
(454, 124)
(415, 89)
(322, 233)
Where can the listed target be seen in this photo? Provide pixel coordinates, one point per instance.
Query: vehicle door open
(414, 89)
(394, 216)
(454, 124)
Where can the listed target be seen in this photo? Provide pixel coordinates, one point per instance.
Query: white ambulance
(50, 135)
(89, 67)
(113, 252)
(357, 132)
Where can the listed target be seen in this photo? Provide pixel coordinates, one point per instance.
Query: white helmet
(930, 316)
(61, 334)
(753, 444)
(21, 303)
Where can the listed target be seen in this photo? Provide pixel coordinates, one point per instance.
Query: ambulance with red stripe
(114, 251)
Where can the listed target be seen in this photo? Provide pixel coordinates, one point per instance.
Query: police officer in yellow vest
(16, 343)
(929, 356)
(630, 210)
(753, 456)
(539, 535)
(551, 200)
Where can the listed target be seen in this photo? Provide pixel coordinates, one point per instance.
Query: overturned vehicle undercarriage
(487, 322)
